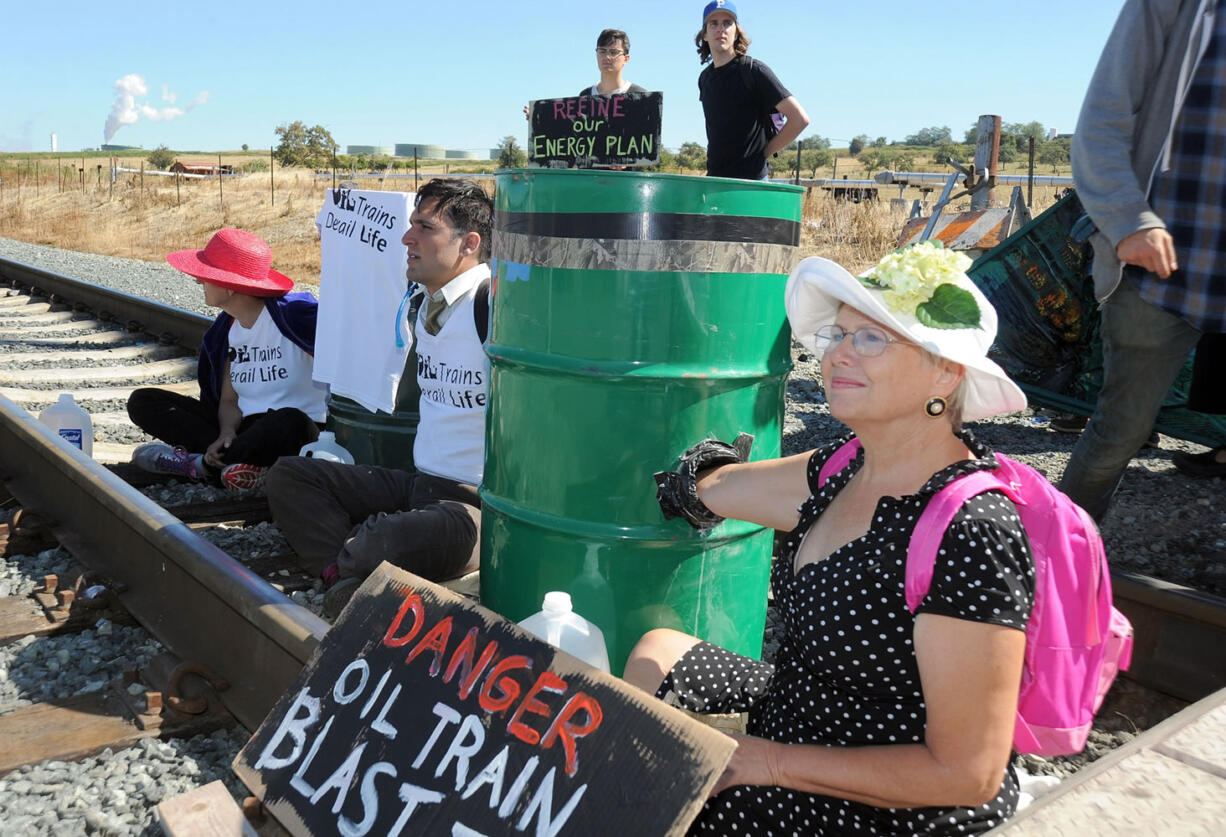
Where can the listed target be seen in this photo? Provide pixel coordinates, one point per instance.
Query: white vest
(453, 372)
(269, 372)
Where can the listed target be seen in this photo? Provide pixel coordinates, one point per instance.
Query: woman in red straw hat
(257, 400)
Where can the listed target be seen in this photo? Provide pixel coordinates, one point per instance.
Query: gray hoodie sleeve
(1112, 177)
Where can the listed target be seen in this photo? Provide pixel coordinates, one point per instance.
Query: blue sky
(223, 74)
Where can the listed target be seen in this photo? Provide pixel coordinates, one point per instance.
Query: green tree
(814, 141)
(510, 155)
(303, 146)
(874, 160)
(812, 159)
(879, 142)
(161, 158)
(1023, 131)
(692, 155)
(929, 136)
(1054, 153)
(244, 146)
(951, 150)
(857, 144)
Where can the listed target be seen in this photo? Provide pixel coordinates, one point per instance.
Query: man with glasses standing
(612, 55)
(740, 99)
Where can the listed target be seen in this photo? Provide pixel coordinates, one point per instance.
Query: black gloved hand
(677, 491)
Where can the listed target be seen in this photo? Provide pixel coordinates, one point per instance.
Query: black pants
(1207, 392)
(184, 421)
(360, 515)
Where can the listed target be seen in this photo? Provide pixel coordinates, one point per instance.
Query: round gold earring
(935, 406)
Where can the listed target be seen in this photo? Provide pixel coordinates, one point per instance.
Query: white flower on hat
(924, 281)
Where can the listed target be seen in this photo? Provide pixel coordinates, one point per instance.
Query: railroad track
(214, 613)
(219, 614)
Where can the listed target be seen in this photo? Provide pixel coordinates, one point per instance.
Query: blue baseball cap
(718, 6)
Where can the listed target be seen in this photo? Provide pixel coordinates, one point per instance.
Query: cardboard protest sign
(361, 284)
(421, 713)
(596, 131)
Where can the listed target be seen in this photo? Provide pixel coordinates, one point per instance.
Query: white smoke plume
(126, 110)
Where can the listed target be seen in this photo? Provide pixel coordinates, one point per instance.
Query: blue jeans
(1144, 348)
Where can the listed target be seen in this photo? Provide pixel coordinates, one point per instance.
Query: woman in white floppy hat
(873, 719)
(257, 399)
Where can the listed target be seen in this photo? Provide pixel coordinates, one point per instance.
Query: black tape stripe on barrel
(651, 226)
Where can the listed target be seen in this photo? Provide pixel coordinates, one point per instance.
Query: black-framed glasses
(605, 52)
(869, 341)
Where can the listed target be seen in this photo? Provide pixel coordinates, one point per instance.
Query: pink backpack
(1076, 641)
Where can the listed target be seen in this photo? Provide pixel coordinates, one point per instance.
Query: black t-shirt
(735, 101)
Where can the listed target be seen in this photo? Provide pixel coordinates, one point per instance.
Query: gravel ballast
(1161, 524)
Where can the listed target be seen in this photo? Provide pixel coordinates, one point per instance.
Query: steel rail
(1179, 631)
(1178, 635)
(198, 601)
(134, 313)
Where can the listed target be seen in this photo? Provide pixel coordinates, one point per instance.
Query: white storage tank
(422, 151)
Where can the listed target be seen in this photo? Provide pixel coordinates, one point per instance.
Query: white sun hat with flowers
(921, 292)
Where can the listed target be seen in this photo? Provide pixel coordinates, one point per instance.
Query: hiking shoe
(1203, 465)
(243, 477)
(1067, 423)
(338, 596)
(159, 458)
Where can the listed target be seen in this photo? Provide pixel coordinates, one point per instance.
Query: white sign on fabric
(362, 282)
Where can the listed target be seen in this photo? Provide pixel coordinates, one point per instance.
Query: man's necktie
(434, 310)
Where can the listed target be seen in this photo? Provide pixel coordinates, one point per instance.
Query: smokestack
(54, 143)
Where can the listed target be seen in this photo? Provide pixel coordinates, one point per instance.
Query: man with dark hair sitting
(343, 520)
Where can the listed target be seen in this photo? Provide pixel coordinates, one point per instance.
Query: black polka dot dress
(846, 673)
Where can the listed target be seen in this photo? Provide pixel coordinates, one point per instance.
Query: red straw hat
(236, 260)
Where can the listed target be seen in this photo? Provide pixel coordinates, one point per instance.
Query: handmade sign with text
(596, 131)
(421, 713)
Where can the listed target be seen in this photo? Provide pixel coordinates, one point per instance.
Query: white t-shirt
(269, 372)
(453, 372)
(361, 284)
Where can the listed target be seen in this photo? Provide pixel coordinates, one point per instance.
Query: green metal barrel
(635, 314)
(380, 438)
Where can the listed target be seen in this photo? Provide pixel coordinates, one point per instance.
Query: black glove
(677, 491)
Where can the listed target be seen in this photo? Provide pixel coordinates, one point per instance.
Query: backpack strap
(838, 460)
(481, 309)
(935, 519)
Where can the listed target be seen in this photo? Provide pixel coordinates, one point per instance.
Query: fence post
(987, 150)
(1030, 176)
(272, 184)
(414, 169)
(221, 197)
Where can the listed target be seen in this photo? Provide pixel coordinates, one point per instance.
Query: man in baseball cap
(750, 115)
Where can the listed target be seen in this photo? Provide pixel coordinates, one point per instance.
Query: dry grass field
(145, 217)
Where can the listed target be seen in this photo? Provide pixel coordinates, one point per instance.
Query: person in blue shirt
(257, 399)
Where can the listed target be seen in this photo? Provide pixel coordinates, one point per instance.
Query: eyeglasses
(868, 341)
(604, 52)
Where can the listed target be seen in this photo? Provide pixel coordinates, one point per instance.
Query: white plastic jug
(326, 447)
(71, 422)
(559, 625)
